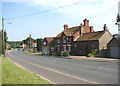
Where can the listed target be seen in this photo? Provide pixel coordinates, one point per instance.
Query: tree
(118, 18)
(39, 44)
(5, 40)
(0, 42)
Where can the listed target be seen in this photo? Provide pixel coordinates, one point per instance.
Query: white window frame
(65, 48)
(58, 40)
(64, 40)
(69, 48)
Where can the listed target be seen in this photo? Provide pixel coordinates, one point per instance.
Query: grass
(32, 52)
(13, 74)
(0, 70)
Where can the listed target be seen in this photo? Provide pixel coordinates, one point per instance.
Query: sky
(45, 18)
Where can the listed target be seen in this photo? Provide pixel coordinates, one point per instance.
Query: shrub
(55, 54)
(34, 50)
(65, 53)
(93, 53)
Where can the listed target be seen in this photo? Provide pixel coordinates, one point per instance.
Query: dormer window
(64, 39)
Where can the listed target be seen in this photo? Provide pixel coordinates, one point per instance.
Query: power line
(23, 16)
(99, 13)
(21, 28)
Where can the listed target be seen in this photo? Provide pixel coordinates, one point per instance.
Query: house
(114, 48)
(34, 45)
(8, 46)
(80, 40)
(45, 46)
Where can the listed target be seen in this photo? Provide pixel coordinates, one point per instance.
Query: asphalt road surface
(72, 70)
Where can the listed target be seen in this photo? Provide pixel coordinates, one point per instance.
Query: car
(23, 49)
(19, 49)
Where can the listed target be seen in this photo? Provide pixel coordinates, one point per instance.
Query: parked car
(23, 49)
(19, 49)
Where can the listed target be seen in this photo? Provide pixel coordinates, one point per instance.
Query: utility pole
(30, 42)
(3, 37)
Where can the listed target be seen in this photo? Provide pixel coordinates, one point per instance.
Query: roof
(34, 43)
(67, 32)
(91, 36)
(49, 39)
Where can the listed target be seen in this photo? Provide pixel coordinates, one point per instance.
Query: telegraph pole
(30, 42)
(3, 36)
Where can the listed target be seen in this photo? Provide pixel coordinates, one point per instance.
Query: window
(58, 48)
(64, 48)
(69, 48)
(75, 45)
(58, 41)
(64, 39)
(69, 40)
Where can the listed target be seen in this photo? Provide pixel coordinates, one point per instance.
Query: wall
(84, 47)
(103, 41)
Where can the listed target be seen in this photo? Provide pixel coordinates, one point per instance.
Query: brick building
(81, 40)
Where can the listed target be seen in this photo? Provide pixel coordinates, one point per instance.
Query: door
(114, 51)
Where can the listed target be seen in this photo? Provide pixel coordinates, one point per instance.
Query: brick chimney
(86, 22)
(80, 24)
(105, 28)
(65, 26)
(91, 28)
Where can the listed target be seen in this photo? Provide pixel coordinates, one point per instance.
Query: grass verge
(32, 52)
(13, 74)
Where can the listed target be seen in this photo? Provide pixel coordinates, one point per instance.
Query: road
(86, 72)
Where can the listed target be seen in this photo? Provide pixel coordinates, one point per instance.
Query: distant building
(34, 45)
(46, 45)
(8, 46)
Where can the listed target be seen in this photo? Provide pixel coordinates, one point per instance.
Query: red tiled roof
(49, 39)
(35, 44)
(91, 36)
(67, 32)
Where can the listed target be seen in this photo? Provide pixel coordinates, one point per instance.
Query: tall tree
(5, 40)
(39, 44)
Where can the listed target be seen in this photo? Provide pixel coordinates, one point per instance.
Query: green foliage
(93, 53)
(5, 39)
(14, 44)
(65, 53)
(39, 44)
(35, 50)
(54, 54)
(118, 18)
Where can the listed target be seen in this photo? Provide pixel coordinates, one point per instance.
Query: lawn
(13, 74)
(32, 53)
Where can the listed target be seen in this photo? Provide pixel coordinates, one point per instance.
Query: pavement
(66, 70)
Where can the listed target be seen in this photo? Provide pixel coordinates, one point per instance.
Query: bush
(65, 53)
(34, 50)
(93, 53)
(54, 54)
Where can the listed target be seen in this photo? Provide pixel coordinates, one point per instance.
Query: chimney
(105, 27)
(86, 22)
(80, 24)
(91, 29)
(65, 26)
